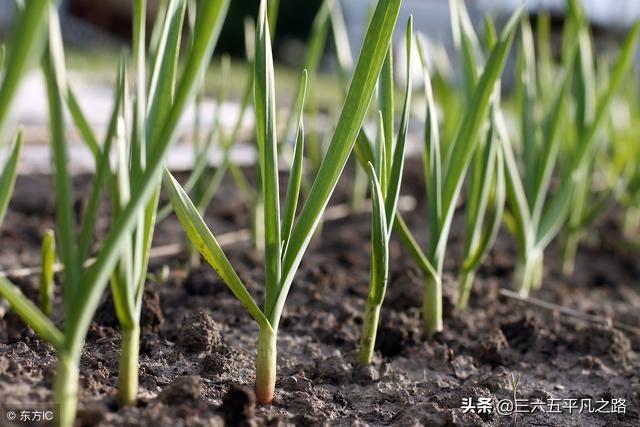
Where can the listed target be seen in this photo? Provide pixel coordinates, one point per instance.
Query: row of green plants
(545, 162)
(157, 103)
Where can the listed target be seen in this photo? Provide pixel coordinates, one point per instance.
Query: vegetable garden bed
(384, 325)
(198, 346)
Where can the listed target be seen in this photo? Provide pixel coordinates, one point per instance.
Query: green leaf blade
(210, 18)
(349, 124)
(31, 314)
(9, 175)
(26, 47)
(265, 106)
(379, 241)
(103, 172)
(65, 215)
(467, 136)
(205, 242)
(397, 160)
(295, 176)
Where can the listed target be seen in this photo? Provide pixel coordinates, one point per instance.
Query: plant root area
(198, 345)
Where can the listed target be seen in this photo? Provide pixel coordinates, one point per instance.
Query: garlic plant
(83, 285)
(284, 241)
(385, 182)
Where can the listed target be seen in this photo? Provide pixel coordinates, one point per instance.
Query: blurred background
(96, 31)
(89, 22)
(107, 23)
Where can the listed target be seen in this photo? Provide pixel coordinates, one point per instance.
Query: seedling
(316, 44)
(26, 45)
(83, 286)
(386, 179)
(485, 195)
(535, 217)
(484, 207)
(284, 249)
(514, 383)
(445, 177)
(24, 49)
(590, 198)
(624, 161)
(317, 137)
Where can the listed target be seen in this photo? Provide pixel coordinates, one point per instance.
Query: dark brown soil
(198, 344)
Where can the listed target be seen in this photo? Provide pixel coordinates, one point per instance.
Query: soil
(198, 344)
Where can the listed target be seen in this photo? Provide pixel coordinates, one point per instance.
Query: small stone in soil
(183, 389)
(238, 406)
(199, 333)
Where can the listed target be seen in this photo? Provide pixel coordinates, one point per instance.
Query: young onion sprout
(83, 286)
(485, 193)
(284, 241)
(572, 157)
(445, 172)
(535, 216)
(386, 179)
